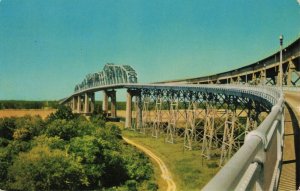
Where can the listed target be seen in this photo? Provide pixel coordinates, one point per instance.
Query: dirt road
(165, 174)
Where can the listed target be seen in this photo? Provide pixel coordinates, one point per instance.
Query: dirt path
(165, 174)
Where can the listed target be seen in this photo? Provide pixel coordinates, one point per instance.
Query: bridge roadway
(290, 175)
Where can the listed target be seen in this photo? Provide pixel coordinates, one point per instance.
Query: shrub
(152, 186)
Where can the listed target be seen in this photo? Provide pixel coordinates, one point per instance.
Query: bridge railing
(291, 89)
(256, 165)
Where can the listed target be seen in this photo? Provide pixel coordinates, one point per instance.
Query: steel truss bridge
(238, 114)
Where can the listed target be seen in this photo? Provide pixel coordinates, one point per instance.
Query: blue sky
(46, 47)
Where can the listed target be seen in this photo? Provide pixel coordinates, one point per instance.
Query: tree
(52, 142)
(62, 128)
(46, 169)
(98, 119)
(29, 125)
(137, 164)
(62, 112)
(7, 126)
(91, 153)
(67, 152)
(22, 134)
(85, 127)
(4, 164)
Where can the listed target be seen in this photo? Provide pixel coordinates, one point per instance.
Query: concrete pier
(78, 104)
(139, 109)
(74, 104)
(113, 103)
(86, 103)
(105, 102)
(92, 103)
(128, 119)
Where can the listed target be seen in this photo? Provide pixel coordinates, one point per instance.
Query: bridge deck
(290, 175)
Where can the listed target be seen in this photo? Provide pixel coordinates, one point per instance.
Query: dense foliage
(68, 152)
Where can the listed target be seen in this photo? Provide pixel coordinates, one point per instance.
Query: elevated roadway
(268, 158)
(290, 175)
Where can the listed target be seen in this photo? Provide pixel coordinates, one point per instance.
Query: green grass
(190, 171)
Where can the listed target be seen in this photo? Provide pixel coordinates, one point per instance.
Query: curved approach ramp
(227, 117)
(265, 71)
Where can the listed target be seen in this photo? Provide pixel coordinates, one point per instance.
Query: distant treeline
(20, 104)
(120, 105)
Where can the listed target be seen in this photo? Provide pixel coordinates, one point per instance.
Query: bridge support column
(138, 109)
(279, 77)
(74, 104)
(105, 102)
(263, 76)
(139, 114)
(86, 103)
(291, 69)
(113, 105)
(78, 104)
(92, 109)
(253, 78)
(128, 119)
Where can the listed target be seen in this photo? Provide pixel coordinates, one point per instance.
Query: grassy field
(22, 112)
(190, 171)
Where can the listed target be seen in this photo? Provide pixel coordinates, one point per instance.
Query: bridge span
(238, 116)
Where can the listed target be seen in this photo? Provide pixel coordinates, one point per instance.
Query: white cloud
(298, 2)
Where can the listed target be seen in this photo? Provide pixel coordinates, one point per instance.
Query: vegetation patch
(69, 152)
(190, 170)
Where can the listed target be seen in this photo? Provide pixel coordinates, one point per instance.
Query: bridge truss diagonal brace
(172, 122)
(190, 126)
(209, 131)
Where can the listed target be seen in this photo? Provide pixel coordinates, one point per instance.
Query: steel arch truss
(111, 74)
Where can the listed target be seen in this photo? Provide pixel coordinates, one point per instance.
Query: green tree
(115, 172)
(28, 127)
(4, 164)
(98, 120)
(137, 164)
(7, 126)
(90, 151)
(52, 142)
(62, 128)
(46, 169)
(63, 112)
(17, 146)
(22, 134)
(85, 127)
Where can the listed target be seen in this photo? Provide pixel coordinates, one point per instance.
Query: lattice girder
(111, 74)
